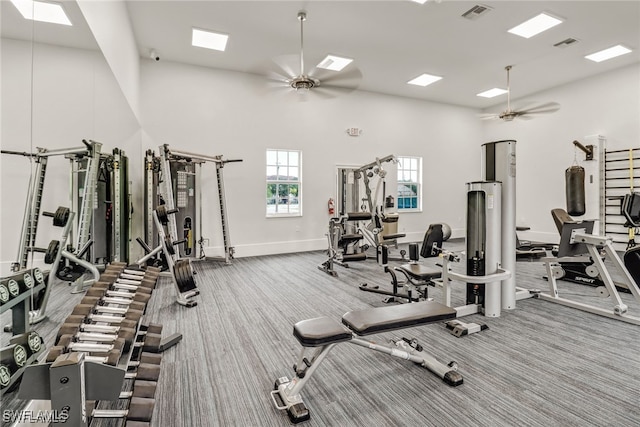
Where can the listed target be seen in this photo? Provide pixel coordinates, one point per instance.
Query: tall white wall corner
(594, 181)
(111, 27)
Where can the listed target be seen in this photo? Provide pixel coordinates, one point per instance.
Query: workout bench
(324, 333)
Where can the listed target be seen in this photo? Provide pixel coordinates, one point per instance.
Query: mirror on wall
(61, 101)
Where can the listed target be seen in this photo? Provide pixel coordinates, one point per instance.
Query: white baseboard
(270, 248)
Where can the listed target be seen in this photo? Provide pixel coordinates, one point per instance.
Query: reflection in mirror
(67, 133)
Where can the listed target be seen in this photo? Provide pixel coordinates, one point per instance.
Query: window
(409, 183)
(283, 183)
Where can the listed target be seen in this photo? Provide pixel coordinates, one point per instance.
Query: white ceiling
(390, 41)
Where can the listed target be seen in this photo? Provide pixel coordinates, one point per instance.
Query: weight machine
(89, 156)
(382, 228)
(173, 178)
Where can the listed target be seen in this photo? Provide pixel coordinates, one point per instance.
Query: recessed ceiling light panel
(424, 80)
(42, 11)
(334, 63)
(420, 1)
(609, 53)
(535, 25)
(491, 93)
(209, 40)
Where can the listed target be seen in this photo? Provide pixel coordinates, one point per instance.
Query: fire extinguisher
(332, 207)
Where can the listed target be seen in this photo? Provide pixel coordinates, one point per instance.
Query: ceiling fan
(288, 72)
(509, 114)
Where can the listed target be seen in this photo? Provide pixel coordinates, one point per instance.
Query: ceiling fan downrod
(302, 81)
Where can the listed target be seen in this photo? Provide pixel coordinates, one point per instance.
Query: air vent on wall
(476, 12)
(566, 42)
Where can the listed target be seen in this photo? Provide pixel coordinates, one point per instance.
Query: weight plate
(52, 252)
(169, 245)
(177, 271)
(14, 288)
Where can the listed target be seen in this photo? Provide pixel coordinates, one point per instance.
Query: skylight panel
(209, 40)
(424, 80)
(609, 53)
(42, 11)
(334, 63)
(535, 25)
(491, 93)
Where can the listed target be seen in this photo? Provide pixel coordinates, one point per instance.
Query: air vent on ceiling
(566, 42)
(476, 12)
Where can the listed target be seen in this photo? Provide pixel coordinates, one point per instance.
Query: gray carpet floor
(541, 364)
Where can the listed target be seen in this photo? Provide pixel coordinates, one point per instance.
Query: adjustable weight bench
(324, 333)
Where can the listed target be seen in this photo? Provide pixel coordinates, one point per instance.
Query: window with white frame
(284, 172)
(409, 183)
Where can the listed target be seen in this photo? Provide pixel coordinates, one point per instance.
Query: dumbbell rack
(36, 347)
(71, 380)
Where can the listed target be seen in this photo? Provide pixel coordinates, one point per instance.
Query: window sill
(283, 216)
(401, 211)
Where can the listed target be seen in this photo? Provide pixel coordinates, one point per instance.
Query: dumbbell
(118, 287)
(140, 409)
(78, 319)
(94, 311)
(99, 333)
(110, 357)
(12, 358)
(69, 343)
(100, 304)
(130, 282)
(98, 292)
(60, 216)
(20, 283)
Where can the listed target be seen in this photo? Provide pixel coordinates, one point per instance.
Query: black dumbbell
(69, 342)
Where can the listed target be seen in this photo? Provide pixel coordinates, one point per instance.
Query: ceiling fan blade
(549, 107)
(488, 116)
(348, 79)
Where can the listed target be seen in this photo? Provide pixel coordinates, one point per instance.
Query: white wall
(74, 97)
(607, 105)
(219, 112)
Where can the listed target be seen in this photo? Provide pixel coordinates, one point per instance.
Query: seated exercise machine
(323, 333)
(417, 277)
(577, 240)
(343, 246)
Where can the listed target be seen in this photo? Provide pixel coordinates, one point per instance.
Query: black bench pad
(320, 331)
(389, 318)
(421, 272)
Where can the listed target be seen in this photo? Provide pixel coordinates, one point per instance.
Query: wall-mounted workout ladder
(621, 171)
